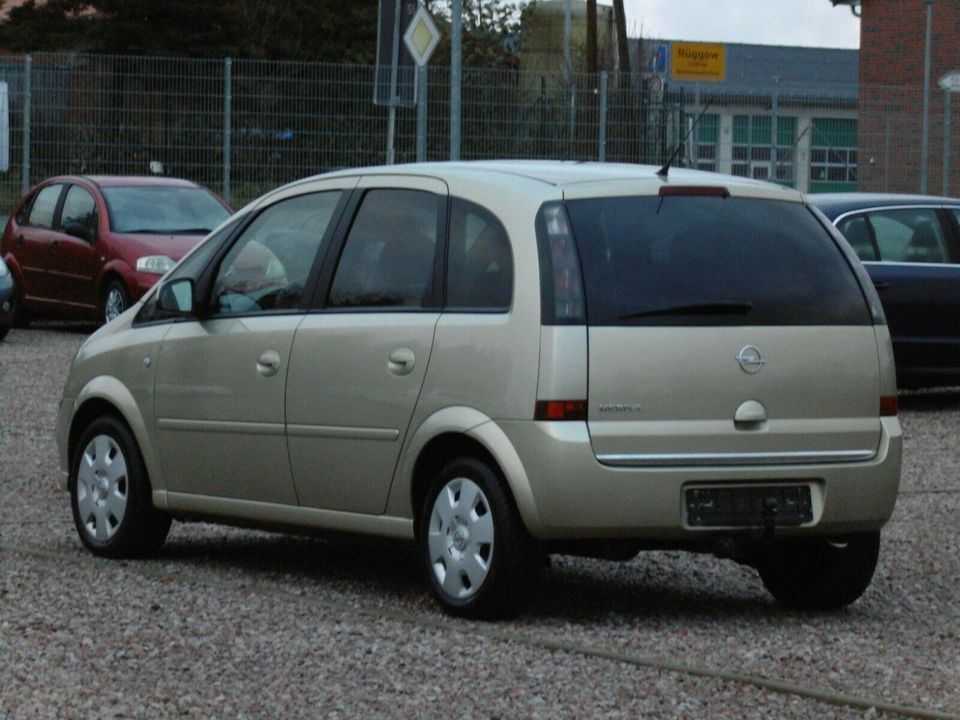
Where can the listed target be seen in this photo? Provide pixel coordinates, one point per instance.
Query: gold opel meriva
(499, 360)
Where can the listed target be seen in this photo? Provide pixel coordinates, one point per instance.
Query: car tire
(116, 299)
(820, 574)
(474, 547)
(110, 493)
(3, 331)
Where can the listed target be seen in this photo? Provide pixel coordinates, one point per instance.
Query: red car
(90, 246)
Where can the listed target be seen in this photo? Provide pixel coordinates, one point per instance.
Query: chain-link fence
(243, 127)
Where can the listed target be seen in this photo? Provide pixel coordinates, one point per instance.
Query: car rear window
(711, 261)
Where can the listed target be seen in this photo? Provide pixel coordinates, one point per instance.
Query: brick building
(892, 39)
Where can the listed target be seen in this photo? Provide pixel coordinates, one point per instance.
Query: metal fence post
(886, 154)
(456, 75)
(422, 113)
(27, 98)
(775, 132)
(602, 154)
(946, 142)
(227, 124)
(925, 129)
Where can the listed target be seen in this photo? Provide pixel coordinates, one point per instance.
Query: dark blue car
(6, 299)
(910, 246)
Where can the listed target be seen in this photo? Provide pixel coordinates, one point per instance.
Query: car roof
(835, 204)
(585, 178)
(128, 180)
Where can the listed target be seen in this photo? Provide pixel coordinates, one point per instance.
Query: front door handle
(268, 364)
(401, 361)
(19, 240)
(881, 284)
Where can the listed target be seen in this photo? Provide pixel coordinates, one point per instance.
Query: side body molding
(477, 426)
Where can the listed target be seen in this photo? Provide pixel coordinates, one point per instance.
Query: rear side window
(706, 261)
(388, 257)
(479, 262)
(909, 235)
(41, 214)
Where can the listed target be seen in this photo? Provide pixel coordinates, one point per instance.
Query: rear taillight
(888, 405)
(561, 283)
(560, 410)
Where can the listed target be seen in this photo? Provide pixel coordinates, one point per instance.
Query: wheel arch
(449, 433)
(105, 395)
(115, 270)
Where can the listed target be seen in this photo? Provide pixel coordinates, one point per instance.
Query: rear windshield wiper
(709, 308)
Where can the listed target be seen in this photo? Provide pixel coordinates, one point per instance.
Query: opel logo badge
(750, 359)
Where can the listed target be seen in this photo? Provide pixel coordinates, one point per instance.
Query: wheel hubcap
(113, 307)
(102, 488)
(460, 538)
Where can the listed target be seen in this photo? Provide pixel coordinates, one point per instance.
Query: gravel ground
(233, 623)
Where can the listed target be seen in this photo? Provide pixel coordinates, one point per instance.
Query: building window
(704, 151)
(833, 155)
(753, 148)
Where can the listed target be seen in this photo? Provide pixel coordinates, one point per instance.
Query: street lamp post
(925, 133)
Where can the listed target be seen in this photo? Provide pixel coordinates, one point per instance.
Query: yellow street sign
(704, 62)
(422, 36)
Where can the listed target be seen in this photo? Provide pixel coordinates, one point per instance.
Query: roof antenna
(662, 172)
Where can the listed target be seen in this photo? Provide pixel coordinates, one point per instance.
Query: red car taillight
(560, 410)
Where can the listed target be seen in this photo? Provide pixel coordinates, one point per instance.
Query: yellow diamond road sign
(421, 37)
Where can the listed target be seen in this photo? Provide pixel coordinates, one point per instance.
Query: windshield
(711, 261)
(163, 210)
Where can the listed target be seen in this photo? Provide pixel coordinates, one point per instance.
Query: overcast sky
(813, 23)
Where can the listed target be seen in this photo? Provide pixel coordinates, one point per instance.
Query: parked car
(88, 247)
(910, 246)
(500, 360)
(6, 299)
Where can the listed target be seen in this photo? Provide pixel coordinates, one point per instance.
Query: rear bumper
(577, 497)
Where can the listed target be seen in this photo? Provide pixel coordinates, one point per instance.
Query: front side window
(41, 214)
(479, 261)
(267, 268)
(909, 235)
(192, 266)
(79, 207)
(711, 261)
(387, 260)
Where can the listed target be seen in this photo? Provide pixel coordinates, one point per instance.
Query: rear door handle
(268, 364)
(19, 240)
(401, 361)
(881, 284)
